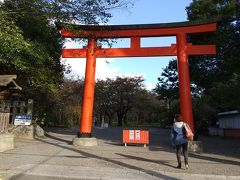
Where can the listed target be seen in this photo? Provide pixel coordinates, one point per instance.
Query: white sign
(137, 135)
(131, 134)
(22, 120)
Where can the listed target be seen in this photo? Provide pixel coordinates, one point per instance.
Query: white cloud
(150, 86)
(131, 74)
(77, 66)
(69, 43)
(103, 70)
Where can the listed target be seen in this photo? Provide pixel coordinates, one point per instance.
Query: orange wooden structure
(136, 137)
(181, 49)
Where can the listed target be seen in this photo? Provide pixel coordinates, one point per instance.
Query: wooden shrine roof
(8, 81)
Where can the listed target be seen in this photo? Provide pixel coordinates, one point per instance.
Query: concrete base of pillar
(195, 146)
(6, 142)
(85, 141)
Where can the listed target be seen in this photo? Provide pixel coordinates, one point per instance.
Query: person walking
(179, 139)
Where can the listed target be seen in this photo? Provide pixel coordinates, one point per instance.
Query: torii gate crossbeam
(181, 49)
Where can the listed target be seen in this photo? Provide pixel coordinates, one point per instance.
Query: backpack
(188, 132)
(178, 137)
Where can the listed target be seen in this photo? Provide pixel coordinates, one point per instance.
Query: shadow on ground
(160, 141)
(90, 155)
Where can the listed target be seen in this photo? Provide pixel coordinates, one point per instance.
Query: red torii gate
(135, 32)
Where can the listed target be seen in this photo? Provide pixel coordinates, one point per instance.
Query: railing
(4, 121)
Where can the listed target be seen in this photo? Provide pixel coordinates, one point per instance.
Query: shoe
(179, 166)
(186, 166)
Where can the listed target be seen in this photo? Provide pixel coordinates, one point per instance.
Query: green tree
(224, 93)
(69, 106)
(103, 101)
(12, 44)
(146, 107)
(126, 99)
(42, 72)
(124, 91)
(211, 77)
(32, 45)
(212, 73)
(116, 96)
(167, 86)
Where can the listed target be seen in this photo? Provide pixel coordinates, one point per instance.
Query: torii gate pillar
(184, 80)
(88, 92)
(85, 134)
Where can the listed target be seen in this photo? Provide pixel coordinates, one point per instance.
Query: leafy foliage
(215, 74)
(225, 94)
(146, 108)
(167, 87)
(69, 106)
(124, 91)
(12, 44)
(126, 99)
(214, 80)
(31, 45)
(103, 102)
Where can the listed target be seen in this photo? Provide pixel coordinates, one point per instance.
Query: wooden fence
(8, 111)
(4, 121)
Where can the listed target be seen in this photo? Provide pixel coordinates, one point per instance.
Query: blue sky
(142, 12)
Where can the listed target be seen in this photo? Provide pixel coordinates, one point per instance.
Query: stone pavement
(55, 158)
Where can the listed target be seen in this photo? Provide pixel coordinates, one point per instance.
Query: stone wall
(6, 142)
(27, 132)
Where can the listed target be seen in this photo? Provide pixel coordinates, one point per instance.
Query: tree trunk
(150, 118)
(120, 118)
(110, 117)
(125, 120)
(119, 122)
